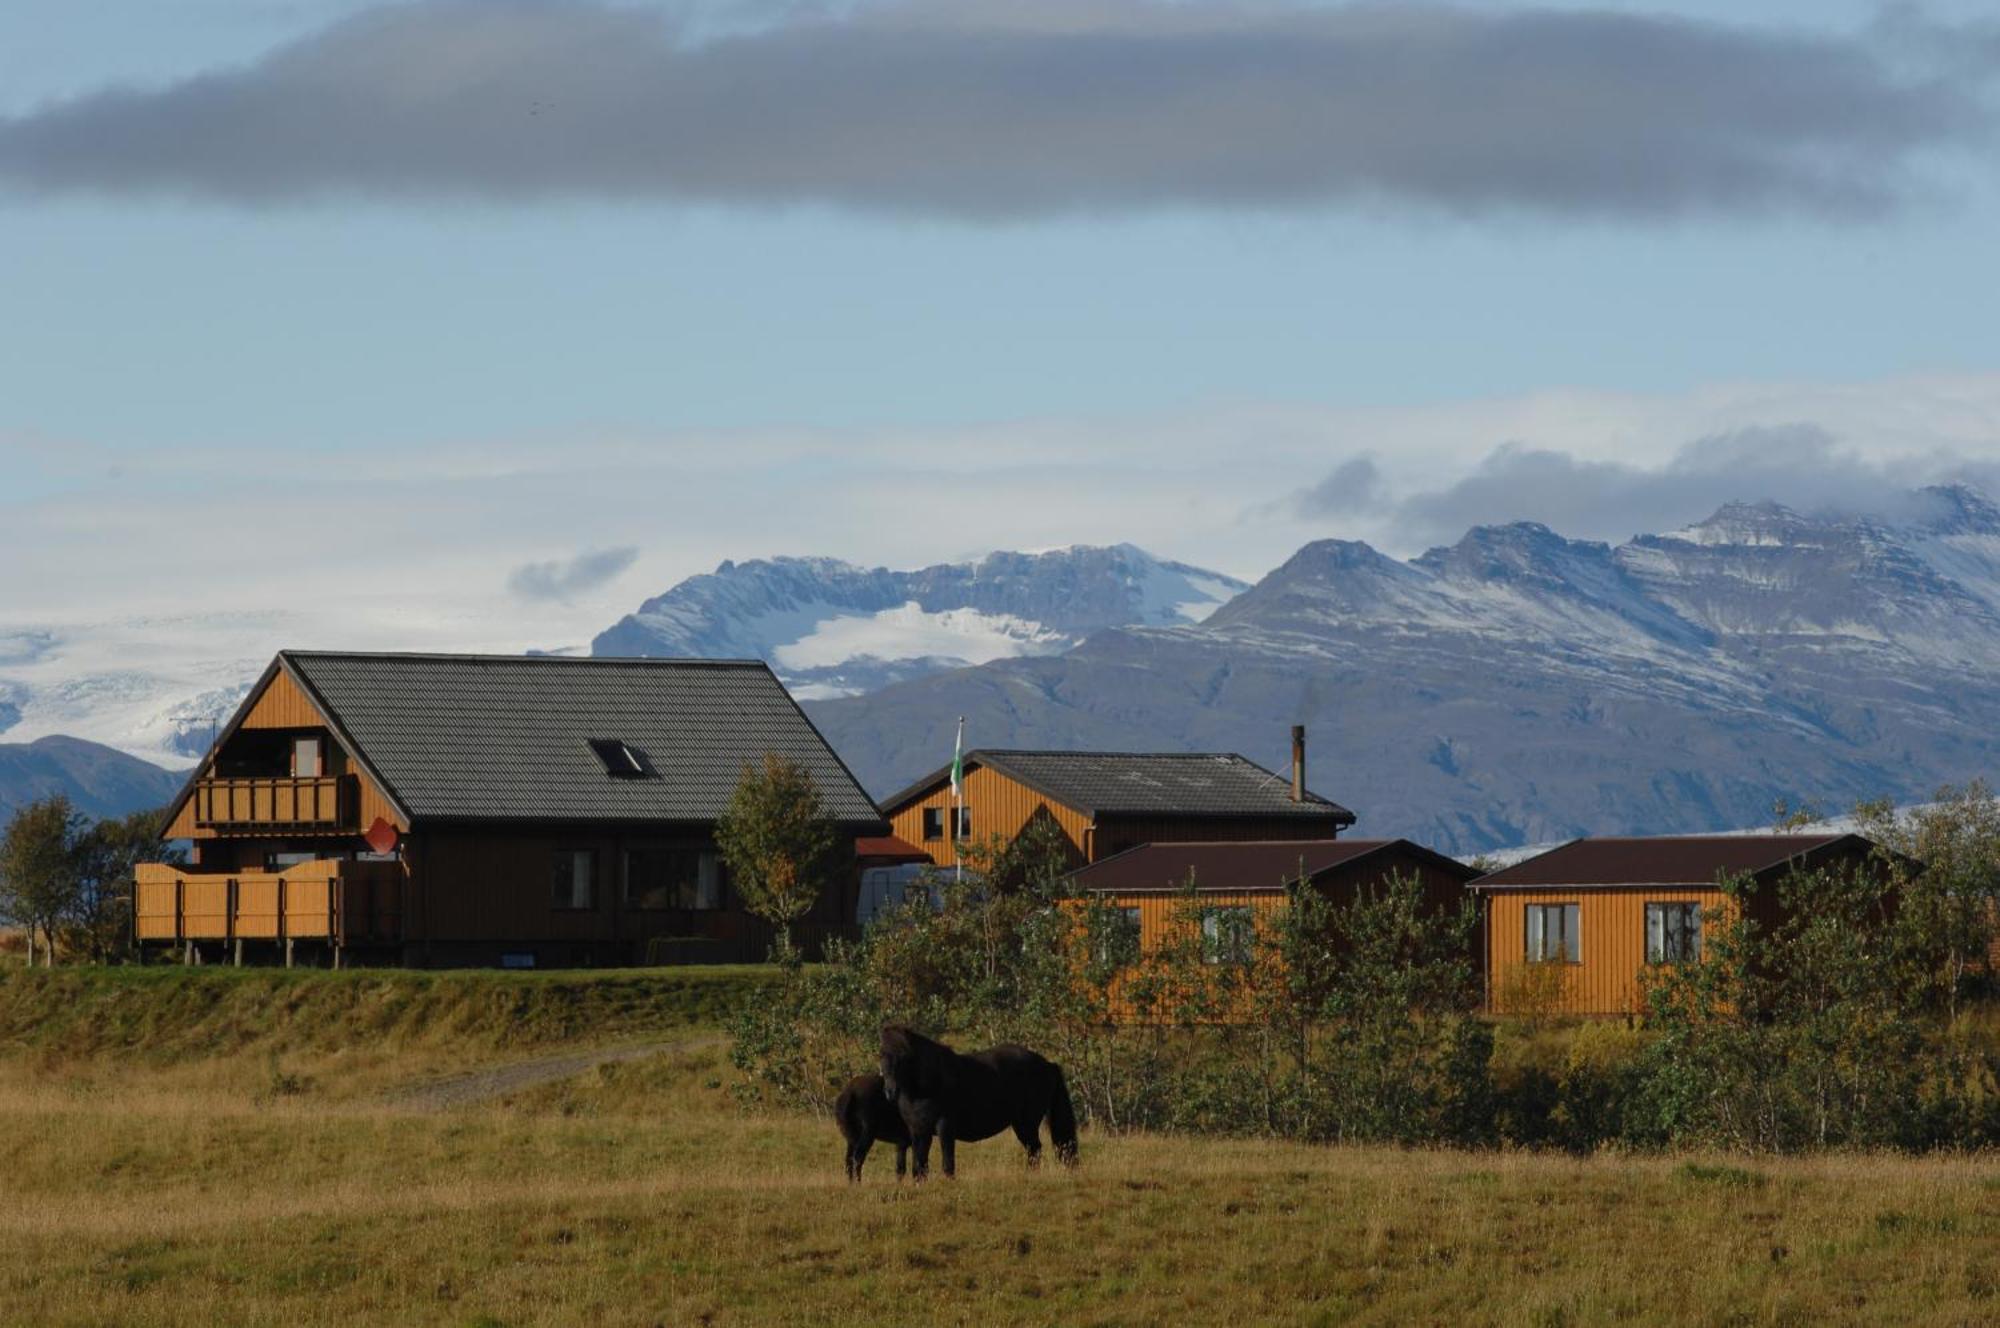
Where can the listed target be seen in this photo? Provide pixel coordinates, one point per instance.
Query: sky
(472, 323)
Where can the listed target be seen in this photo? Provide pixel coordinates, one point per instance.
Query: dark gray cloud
(1800, 465)
(566, 578)
(1352, 486)
(998, 109)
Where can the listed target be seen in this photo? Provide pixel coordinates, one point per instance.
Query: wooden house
(1107, 802)
(528, 811)
(1150, 885)
(1571, 930)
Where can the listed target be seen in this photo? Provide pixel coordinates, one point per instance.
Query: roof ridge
(467, 657)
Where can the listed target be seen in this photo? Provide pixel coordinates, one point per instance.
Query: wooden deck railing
(320, 802)
(346, 903)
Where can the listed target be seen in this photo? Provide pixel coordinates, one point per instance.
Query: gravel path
(476, 1086)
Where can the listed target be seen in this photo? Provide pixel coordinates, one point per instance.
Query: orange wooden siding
(326, 900)
(1611, 926)
(997, 805)
(282, 705)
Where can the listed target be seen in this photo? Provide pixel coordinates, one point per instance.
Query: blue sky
(494, 372)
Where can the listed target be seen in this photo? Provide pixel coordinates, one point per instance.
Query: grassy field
(289, 1172)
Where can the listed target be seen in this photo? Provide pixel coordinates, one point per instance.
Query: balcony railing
(347, 903)
(324, 802)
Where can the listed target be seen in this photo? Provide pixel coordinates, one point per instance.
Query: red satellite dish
(381, 836)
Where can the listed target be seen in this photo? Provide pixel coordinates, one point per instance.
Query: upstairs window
(1553, 936)
(621, 760)
(1673, 933)
(306, 758)
(1226, 935)
(935, 820)
(575, 879)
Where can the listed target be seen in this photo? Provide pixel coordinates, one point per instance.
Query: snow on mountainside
(831, 628)
(1519, 687)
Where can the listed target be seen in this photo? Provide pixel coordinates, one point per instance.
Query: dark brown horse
(954, 1097)
(865, 1115)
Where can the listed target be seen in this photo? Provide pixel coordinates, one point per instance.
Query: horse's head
(901, 1066)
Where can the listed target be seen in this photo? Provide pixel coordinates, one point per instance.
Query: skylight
(620, 761)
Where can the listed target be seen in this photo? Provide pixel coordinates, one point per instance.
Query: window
(620, 760)
(575, 878)
(674, 878)
(1118, 937)
(277, 862)
(1226, 934)
(1553, 935)
(305, 758)
(934, 822)
(1673, 933)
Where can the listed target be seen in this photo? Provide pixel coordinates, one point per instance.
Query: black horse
(969, 1097)
(865, 1114)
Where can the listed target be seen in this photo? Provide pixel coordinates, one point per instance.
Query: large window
(1673, 933)
(1118, 936)
(1553, 935)
(575, 878)
(305, 758)
(935, 820)
(673, 878)
(1226, 935)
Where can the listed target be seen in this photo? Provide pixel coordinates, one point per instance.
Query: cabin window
(934, 822)
(1552, 934)
(620, 760)
(1673, 933)
(1118, 936)
(1226, 935)
(305, 758)
(674, 878)
(576, 878)
(277, 862)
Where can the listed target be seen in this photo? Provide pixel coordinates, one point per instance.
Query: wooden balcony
(345, 903)
(322, 804)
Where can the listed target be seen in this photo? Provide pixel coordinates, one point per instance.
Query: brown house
(1570, 930)
(1148, 883)
(1107, 802)
(485, 809)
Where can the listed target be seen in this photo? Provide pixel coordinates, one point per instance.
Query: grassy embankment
(243, 1147)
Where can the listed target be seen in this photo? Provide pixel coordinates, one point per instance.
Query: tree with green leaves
(99, 924)
(780, 845)
(40, 879)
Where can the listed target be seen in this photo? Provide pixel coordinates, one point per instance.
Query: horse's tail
(1062, 1119)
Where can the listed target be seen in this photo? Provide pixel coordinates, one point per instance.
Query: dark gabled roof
(1265, 864)
(1146, 784)
(1666, 860)
(507, 738)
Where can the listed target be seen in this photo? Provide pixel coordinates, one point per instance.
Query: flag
(958, 766)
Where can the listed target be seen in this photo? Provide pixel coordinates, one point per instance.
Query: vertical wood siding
(1612, 927)
(997, 806)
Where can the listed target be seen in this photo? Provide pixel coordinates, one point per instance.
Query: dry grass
(640, 1193)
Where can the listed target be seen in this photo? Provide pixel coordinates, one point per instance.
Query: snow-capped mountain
(831, 628)
(1521, 687)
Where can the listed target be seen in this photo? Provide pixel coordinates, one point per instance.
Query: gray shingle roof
(1148, 784)
(505, 737)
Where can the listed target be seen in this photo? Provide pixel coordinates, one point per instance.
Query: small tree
(779, 844)
(100, 920)
(39, 878)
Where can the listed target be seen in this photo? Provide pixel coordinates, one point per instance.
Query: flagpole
(957, 801)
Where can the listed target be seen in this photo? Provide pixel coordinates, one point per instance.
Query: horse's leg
(949, 1147)
(857, 1153)
(902, 1160)
(921, 1141)
(1030, 1134)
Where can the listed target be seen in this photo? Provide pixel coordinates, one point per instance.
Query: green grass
(166, 1014)
(161, 1189)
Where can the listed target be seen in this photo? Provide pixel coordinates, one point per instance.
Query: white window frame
(1658, 933)
(1568, 947)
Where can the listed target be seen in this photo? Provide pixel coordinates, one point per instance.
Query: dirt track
(476, 1086)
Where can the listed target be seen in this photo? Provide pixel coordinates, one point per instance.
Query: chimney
(1298, 763)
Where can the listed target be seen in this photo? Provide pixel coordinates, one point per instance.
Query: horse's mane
(902, 1038)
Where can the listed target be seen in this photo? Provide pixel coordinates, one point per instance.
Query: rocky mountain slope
(1521, 687)
(831, 628)
(99, 780)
